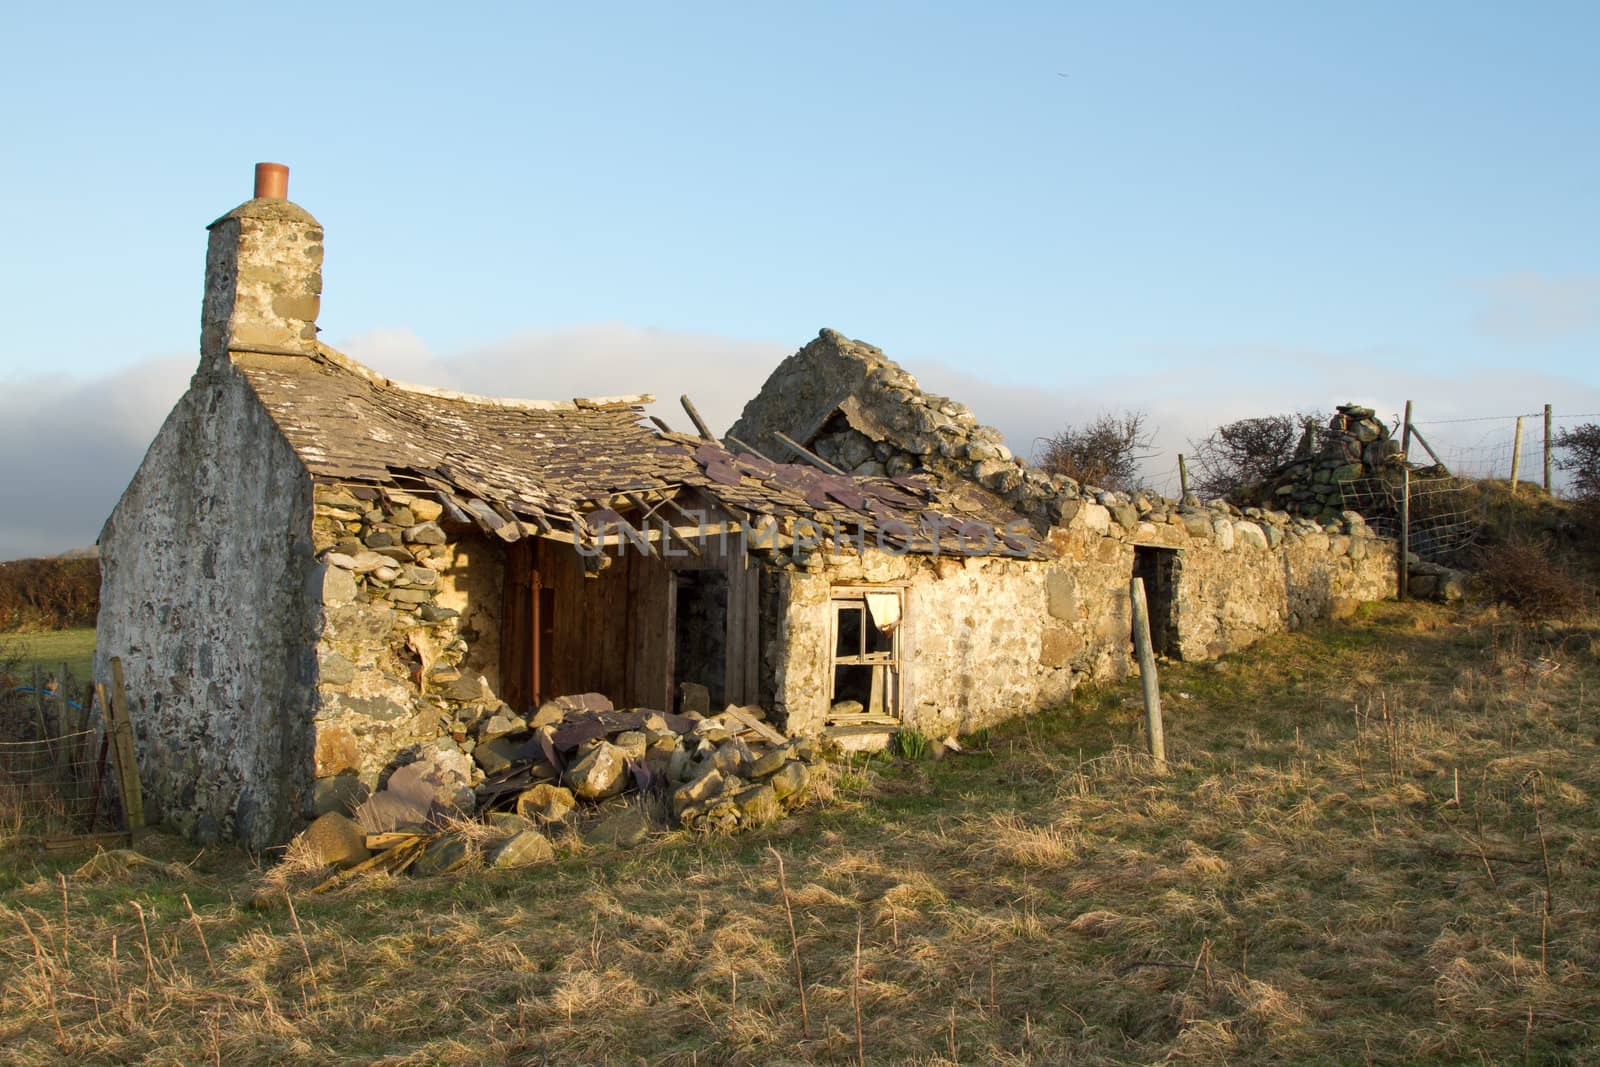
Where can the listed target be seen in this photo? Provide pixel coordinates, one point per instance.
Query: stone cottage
(318, 572)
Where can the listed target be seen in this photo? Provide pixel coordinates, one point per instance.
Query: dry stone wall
(1355, 446)
(865, 413)
(409, 653)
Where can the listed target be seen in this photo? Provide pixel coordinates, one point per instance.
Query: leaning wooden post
(1547, 487)
(1183, 476)
(1405, 530)
(1147, 673)
(1516, 455)
(1403, 578)
(120, 729)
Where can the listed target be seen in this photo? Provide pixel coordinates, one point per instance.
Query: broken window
(866, 655)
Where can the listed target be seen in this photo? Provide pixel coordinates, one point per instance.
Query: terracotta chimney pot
(272, 181)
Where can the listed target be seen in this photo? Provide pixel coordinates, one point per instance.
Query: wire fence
(53, 763)
(1470, 447)
(1490, 446)
(1447, 514)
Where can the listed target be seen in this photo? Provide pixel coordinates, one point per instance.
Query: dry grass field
(1379, 842)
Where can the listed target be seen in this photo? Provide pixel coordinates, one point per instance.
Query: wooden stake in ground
(120, 729)
(1516, 455)
(1547, 449)
(1147, 672)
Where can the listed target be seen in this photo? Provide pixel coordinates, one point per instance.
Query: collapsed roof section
(864, 413)
(570, 469)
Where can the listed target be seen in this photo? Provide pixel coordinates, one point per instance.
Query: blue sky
(1220, 207)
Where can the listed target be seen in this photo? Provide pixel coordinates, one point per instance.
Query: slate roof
(525, 468)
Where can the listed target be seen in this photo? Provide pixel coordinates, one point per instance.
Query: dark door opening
(701, 646)
(527, 635)
(1160, 568)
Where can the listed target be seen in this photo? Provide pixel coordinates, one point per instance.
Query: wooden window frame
(854, 597)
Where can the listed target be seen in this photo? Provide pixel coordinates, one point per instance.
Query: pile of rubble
(1356, 446)
(577, 767)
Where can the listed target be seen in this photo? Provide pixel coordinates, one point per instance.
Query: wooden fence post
(1183, 477)
(1516, 455)
(1147, 673)
(120, 730)
(1547, 487)
(1404, 576)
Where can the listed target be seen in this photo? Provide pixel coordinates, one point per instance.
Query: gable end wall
(206, 568)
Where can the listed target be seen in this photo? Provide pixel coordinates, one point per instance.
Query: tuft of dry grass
(1377, 843)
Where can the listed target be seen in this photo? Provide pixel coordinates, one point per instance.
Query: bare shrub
(1105, 452)
(1241, 454)
(1522, 574)
(49, 594)
(1580, 447)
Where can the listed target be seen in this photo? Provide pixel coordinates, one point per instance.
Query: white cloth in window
(885, 609)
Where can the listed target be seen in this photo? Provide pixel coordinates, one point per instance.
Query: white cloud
(1533, 308)
(71, 445)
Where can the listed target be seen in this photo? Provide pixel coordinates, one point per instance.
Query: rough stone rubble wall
(890, 426)
(409, 657)
(969, 643)
(989, 639)
(1356, 445)
(206, 568)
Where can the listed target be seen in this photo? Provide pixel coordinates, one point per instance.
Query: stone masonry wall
(987, 638)
(888, 425)
(1355, 445)
(206, 563)
(409, 657)
(1240, 573)
(969, 643)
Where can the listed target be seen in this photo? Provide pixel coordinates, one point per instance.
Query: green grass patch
(48, 650)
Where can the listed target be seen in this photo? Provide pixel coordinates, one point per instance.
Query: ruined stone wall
(988, 638)
(1238, 574)
(1241, 575)
(1356, 445)
(409, 656)
(863, 412)
(969, 643)
(207, 564)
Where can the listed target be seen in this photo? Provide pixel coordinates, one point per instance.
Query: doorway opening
(1160, 569)
(700, 652)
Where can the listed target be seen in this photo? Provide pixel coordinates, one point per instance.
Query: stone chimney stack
(263, 275)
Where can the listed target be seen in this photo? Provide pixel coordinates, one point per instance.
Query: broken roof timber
(508, 467)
